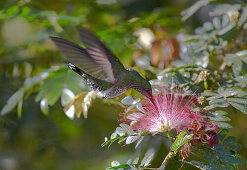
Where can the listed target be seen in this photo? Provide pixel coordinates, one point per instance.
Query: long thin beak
(152, 100)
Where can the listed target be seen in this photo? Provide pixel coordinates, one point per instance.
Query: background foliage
(205, 39)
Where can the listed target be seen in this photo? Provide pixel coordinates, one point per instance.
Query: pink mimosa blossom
(173, 110)
(205, 132)
(185, 151)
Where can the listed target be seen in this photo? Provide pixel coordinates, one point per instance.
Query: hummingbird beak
(151, 98)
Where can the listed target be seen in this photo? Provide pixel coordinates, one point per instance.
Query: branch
(199, 167)
(170, 155)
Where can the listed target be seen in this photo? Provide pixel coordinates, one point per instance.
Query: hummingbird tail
(86, 77)
(78, 71)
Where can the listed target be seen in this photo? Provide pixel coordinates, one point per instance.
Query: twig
(199, 167)
(170, 155)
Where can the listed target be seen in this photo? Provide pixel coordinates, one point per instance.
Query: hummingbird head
(146, 90)
(143, 86)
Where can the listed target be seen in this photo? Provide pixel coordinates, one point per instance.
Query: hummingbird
(99, 67)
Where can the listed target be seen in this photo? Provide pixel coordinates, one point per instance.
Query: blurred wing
(100, 53)
(80, 57)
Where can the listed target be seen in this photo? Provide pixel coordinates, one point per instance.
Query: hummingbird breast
(122, 84)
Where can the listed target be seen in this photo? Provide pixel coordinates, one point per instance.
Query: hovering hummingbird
(102, 71)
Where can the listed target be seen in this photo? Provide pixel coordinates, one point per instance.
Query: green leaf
(223, 125)
(195, 7)
(229, 92)
(149, 155)
(236, 67)
(228, 167)
(219, 102)
(180, 141)
(227, 158)
(208, 93)
(36, 79)
(229, 140)
(210, 107)
(31, 17)
(244, 59)
(119, 131)
(2, 15)
(180, 78)
(53, 86)
(127, 129)
(216, 96)
(24, 11)
(242, 53)
(238, 100)
(131, 139)
(220, 118)
(63, 21)
(19, 108)
(225, 155)
(221, 90)
(67, 96)
(124, 166)
(12, 101)
(242, 93)
(139, 142)
(208, 154)
(12, 10)
(219, 113)
(214, 167)
(235, 147)
(18, 95)
(191, 40)
(241, 107)
(219, 149)
(44, 106)
(242, 82)
(222, 134)
(109, 142)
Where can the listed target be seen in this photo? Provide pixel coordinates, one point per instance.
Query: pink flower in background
(173, 110)
(205, 132)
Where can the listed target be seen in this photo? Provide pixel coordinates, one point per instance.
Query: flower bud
(233, 15)
(201, 100)
(204, 75)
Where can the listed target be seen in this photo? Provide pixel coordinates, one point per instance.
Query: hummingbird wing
(110, 64)
(80, 57)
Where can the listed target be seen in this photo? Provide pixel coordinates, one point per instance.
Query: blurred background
(36, 133)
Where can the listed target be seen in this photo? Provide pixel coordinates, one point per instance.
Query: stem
(170, 155)
(222, 67)
(199, 167)
(206, 84)
(237, 26)
(169, 137)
